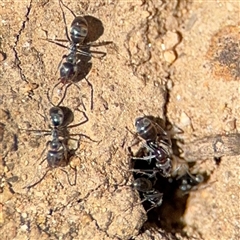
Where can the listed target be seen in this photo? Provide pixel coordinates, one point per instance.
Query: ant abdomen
(55, 158)
(67, 71)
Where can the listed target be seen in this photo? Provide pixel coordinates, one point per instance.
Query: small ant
(58, 153)
(189, 181)
(159, 152)
(150, 194)
(157, 143)
(70, 69)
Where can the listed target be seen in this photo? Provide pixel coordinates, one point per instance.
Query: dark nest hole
(169, 216)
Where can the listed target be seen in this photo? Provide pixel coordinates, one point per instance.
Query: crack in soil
(17, 60)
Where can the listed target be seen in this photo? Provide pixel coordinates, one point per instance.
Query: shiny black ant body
(78, 32)
(158, 153)
(149, 194)
(189, 181)
(58, 152)
(74, 60)
(157, 143)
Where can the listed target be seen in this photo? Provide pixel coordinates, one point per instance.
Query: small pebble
(230, 125)
(170, 56)
(184, 119)
(24, 215)
(169, 84)
(171, 39)
(7, 195)
(24, 227)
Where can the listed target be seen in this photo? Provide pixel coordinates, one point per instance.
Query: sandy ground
(177, 60)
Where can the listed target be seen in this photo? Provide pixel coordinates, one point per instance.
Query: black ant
(58, 152)
(157, 143)
(158, 153)
(70, 69)
(149, 194)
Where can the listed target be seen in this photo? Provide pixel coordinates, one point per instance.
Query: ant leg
(75, 178)
(154, 197)
(48, 97)
(88, 45)
(60, 63)
(47, 132)
(78, 124)
(145, 172)
(84, 53)
(91, 86)
(103, 54)
(67, 8)
(146, 158)
(136, 204)
(63, 97)
(82, 103)
(34, 184)
(180, 167)
(98, 44)
(64, 94)
(56, 41)
(83, 135)
(153, 206)
(136, 140)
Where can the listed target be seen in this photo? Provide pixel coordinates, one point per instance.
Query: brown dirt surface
(177, 60)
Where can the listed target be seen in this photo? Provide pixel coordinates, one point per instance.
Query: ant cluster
(58, 151)
(157, 158)
(75, 65)
(156, 152)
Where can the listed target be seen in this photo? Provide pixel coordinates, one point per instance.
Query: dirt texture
(177, 60)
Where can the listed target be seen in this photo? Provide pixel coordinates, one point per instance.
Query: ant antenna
(66, 8)
(64, 95)
(64, 19)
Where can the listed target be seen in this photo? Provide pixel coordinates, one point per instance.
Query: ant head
(142, 184)
(56, 116)
(145, 128)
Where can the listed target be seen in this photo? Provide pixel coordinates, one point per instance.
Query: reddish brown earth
(187, 50)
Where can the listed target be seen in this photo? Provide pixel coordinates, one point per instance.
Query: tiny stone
(170, 56)
(10, 166)
(169, 84)
(24, 177)
(230, 125)
(171, 39)
(18, 210)
(24, 227)
(7, 195)
(171, 23)
(184, 119)
(24, 215)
